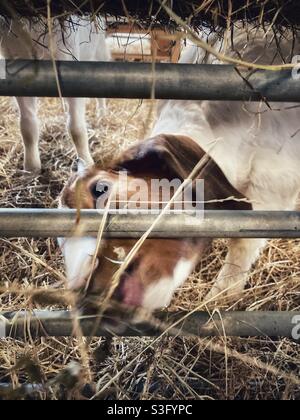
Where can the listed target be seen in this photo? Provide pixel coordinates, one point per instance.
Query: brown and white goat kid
(75, 38)
(161, 265)
(254, 154)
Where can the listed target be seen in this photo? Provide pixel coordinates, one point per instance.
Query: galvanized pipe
(214, 224)
(136, 80)
(23, 390)
(36, 324)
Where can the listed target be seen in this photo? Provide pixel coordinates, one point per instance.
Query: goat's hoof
(214, 294)
(33, 168)
(222, 292)
(31, 172)
(87, 161)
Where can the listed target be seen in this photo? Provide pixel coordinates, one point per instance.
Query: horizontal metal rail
(136, 80)
(36, 324)
(23, 390)
(214, 224)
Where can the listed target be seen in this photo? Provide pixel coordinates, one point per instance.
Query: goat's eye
(99, 189)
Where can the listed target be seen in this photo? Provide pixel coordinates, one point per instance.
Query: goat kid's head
(161, 265)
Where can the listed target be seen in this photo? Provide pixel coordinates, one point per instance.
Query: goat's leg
(101, 107)
(242, 254)
(29, 124)
(78, 128)
(102, 54)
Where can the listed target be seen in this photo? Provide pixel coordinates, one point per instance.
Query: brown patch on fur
(164, 156)
(169, 156)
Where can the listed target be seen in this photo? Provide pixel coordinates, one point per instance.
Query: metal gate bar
(136, 80)
(214, 224)
(19, 325)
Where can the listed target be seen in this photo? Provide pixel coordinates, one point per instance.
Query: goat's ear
(165, 156)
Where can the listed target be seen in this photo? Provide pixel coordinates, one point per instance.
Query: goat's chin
(116, 319)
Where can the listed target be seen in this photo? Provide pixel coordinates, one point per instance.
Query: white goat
(255, 151)
(73, 39)
(257, 145)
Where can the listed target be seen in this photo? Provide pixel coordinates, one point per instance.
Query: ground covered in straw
(165, 368)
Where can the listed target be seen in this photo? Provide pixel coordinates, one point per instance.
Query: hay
(212, 13)
(132, 368)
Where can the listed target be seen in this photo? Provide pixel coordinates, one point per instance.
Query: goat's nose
(129, 292)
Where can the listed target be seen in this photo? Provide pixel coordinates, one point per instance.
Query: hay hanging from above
(212, 13)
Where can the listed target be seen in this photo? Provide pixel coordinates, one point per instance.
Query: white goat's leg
(242, 254)
(29, 124)
(101, 107)
(78, 128)
(102, 54)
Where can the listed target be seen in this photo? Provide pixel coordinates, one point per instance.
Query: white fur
(251, 143)
(257, 148)
(160, 294)
(78, 253)
(80, 40)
